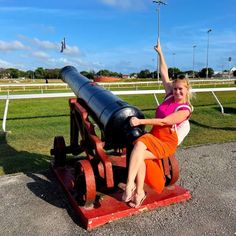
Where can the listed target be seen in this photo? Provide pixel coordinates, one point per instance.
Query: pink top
(169, 106)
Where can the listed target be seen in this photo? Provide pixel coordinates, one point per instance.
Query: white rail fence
(42, 87)
(126, 92)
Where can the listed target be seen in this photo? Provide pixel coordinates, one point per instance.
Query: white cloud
(49, 45)
(12, 46)
(45, 44)
(72, 50)
(36, 52)
(40, 55)
(125, 4)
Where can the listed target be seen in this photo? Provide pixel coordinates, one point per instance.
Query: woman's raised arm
(164, 70)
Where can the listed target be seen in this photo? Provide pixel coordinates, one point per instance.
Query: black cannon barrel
(110, 112)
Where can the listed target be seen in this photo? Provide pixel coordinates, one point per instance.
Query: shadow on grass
(227, 110)
(212, 127)
(36, 117)
(13, 161)
(44, 184)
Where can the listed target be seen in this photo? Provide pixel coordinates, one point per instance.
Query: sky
(117, 35)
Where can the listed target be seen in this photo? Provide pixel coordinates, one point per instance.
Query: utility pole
(153, 62)
(194, 46)
(158, 33)
(208, 32)
(173, 71)
(229, 59)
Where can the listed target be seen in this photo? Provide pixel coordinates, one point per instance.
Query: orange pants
(162, 142)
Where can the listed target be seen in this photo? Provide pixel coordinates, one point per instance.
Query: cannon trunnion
(101, 138)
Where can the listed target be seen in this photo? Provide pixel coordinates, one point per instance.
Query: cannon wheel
(59, 151)
(85, 183)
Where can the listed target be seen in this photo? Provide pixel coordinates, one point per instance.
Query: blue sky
(117, 35)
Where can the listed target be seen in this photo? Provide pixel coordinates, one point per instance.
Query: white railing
(160, 82)
(128, 92)
(46, 86)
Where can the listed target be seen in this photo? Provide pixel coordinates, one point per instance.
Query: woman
(145, 160)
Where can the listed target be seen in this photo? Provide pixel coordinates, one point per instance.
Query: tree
(14, 73)
(174, 72)
(88, 74)
(30, 74)
(144, 74)
(202, 73)
(104, 73)
(234, 73)
(39, 73)
(115, 74)
(52, 73)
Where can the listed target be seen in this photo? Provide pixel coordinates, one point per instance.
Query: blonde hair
(187, 85)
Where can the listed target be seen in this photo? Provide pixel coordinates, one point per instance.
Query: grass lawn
(34, 123)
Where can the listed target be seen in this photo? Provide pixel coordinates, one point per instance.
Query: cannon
(110, 113)
(93, 167)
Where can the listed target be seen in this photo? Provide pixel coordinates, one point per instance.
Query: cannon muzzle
(110, 112)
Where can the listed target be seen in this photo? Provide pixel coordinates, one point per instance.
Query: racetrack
(34, 204)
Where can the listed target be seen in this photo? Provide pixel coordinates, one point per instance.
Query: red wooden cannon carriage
(93, 168)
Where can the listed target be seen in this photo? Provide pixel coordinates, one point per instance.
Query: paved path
(34, 204)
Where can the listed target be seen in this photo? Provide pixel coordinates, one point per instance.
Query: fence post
(222, 108)
(5, 115)
(156, 99)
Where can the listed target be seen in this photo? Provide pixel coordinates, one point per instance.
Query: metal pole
(153, 61)
(194, 46)
(173, 71)
(158, 40)
(158, 33)
(207, 52)
(229, 59)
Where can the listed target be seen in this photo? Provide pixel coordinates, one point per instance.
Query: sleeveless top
(169, 106)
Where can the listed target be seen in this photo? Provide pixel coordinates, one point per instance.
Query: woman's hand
(134, 121)
(158, 48)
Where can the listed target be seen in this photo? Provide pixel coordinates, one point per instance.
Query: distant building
(126, 76)
(134, 76)
(224, 73)
(233, 69)
(105, 79)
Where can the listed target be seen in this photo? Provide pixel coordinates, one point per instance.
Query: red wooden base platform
(109, 207)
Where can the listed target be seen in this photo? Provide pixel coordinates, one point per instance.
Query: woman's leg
(140, 178)
(139, 195)
(136, 159)
(137, 170)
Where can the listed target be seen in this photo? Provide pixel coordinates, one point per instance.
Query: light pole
(153, 61)
(173, 71)
(229, 59)
(208, 32)
(194, 46)
(158, 32)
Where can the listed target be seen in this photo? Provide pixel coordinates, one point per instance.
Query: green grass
(34, 124)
